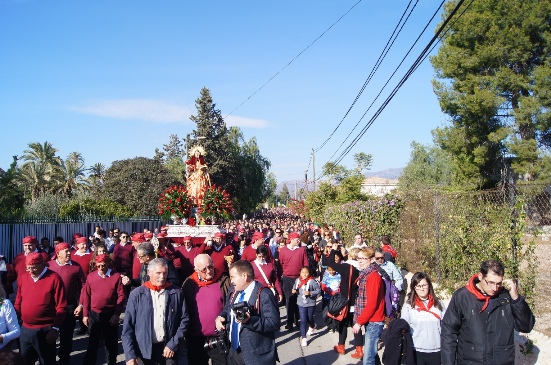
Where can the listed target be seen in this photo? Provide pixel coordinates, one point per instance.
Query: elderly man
(205, 294)
(292, 259)
(73, 280)
(222, 255)
(155, 320)
(102, 303)
(479, 325)
(42, 306)
(252, 334)
(30, 244)
(146, 253)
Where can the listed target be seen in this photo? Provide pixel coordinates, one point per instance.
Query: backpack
(392, 295)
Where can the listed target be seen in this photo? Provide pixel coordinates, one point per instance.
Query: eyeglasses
(278, 232)
(141, 256)
(101, 266)
(421, 286)
(124, 236)
(491, 283)
(379, 258)
(362, 258)
(210, 267)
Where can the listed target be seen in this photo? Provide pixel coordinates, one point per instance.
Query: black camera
(218, 341)
(240, 310)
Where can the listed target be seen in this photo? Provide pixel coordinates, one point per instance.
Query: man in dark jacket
(479, 322)
(252, 336)
(155, 320)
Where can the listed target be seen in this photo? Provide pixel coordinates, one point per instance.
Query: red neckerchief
(471, 287)
(422, 308)
(304, 282)
(150, 285)
(202, 283)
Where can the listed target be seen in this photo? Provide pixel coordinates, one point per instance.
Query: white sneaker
(311, 331)
(304, 342)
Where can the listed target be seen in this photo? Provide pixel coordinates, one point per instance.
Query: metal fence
(11, 234)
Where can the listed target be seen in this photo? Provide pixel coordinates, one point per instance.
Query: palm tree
(72, 170)
(97, 174)
(41, 170)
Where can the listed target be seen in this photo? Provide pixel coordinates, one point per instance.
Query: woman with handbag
(348, 289)
(265, 273)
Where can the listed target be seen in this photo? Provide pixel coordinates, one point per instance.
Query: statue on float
(197, 175)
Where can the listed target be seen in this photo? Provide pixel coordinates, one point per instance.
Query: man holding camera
(205, 294)
(251, 317)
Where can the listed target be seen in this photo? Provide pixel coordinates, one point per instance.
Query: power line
(415, 65)
(297, 56)
(383, 54)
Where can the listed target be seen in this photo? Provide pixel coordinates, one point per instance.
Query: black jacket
(398, 344)
(471, 337)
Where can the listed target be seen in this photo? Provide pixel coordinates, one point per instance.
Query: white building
(378, 186)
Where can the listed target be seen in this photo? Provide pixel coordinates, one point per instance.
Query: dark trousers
(290, 300)
(100, 327)
(236, 357)
(427, 358)
(306, 319)
(197, 355)
(343, 330)
(34, 346)
(157, 357)
(66, 334)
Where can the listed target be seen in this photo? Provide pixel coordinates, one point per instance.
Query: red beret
(187, 238)
(30, 239)
(77, 235)
(162, 234)
(62, 246)
(148, 235)
(138, 238)
(293, 235)
(82, 240)
(241, 229)
(218, 235)
(34, 258)
(164, 228)
(257, 236)
(100, 258)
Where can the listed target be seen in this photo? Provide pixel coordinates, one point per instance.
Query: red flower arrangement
(216, 203)
(175, 201)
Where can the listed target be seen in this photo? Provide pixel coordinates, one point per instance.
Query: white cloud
(142, 109)
(235, 121)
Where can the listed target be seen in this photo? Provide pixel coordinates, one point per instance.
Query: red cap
(148, 235)
(138, 238)
(100, 258)
(164, 228)
(62, 246)
(257, 236)
(81, 240)
(77, 235)
(34, 258)
(187, 238)
(241, 229)
(293, 235)
(30, 239)
(218, 235)
(161, 234)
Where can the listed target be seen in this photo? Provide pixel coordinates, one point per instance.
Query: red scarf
(422, 308)
(304, 282)
(471, 287)
(150, 285)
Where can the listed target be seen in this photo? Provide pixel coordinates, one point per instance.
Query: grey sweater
(313, 287)
(425, 327)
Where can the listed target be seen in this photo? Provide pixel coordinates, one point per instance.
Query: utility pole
(295, 190)
(306, 179)
(314, 168)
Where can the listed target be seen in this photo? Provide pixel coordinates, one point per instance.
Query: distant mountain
(393, 174)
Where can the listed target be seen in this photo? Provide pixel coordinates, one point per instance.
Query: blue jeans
(306, 319)
(373, 331)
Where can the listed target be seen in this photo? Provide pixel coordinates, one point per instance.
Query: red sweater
(249, 254)
(218, 257)
(270, 272)
(83, 261)
(41, 303)
(123, 257)
(102, 295)
(186, 258)
(374, 306)
(72, 277)
(292, 261)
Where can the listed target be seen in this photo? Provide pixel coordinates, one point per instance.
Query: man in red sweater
(42, 306)
(82, 255)
(369, 308)
(30, 244)
(186, 253)
(249, 253)
(102, 302)
(73, 280)
(292, 259)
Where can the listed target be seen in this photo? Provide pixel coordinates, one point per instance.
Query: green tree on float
(494, 81)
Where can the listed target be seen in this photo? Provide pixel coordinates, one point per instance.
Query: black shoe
(289, 326)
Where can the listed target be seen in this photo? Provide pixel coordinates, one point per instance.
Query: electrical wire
(297, 56)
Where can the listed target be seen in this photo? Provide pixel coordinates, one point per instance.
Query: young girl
(308, 289)
(330, 283)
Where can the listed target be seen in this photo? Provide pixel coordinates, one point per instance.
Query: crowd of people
(217, 298)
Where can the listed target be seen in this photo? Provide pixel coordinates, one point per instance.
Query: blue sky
(113, 79)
